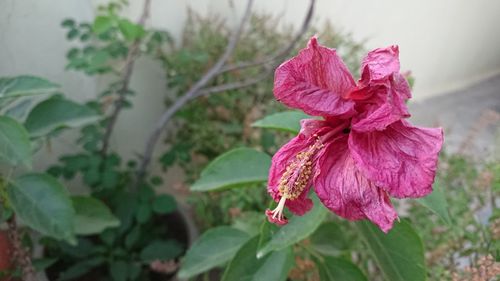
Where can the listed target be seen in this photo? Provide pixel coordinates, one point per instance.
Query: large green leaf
(42, 203)
(399, 253)
(329, 239)
(436, 202)
(15, 146)
(25, 86)
(297, 229)
(215, 247)
(92, 216)
(245, 266)
(234, 168)
(338, 269)
(288, 121)
(56, 113)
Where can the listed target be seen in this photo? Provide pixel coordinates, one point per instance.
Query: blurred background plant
(150, 229)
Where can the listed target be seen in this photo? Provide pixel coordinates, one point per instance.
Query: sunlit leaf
(92, 216)
(25, 86)
(288, 121)
(43, 204)
(56, 113)
(235, 168)
(15, 146)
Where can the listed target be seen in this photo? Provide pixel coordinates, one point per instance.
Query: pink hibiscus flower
(362, 151)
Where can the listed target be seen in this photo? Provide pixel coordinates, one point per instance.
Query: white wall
(447, 44)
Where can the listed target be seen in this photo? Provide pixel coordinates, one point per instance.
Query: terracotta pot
(6, 251)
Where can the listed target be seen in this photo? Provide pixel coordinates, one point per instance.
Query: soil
(6, 252)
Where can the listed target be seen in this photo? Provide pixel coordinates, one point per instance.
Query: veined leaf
(25, 86)
(234, 168)
(288, 121)
(338, 269)
(56, 113)
(245, 266)
(215, 247)
(15, 146)
(92, 216)
(399, 253)
(436, 202)
(42, 203)
(297, 229)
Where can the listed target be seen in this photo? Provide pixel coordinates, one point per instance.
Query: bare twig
(126, 75)
(220, 67)
(21, 255)
(209, 75)
(280, 54)
(235, 85)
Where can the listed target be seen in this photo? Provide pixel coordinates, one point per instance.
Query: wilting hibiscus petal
(316, 81)
(402, 159)
(363, 151)
(380, 63)
(385, 105)
(342, 188)
(285, 157)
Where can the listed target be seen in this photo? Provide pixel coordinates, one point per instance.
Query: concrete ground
(470, 118)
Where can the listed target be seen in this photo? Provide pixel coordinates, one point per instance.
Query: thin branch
(280, 54)
(126, 75)
(198, 89)
(209, 75)
(21, 254)
(235, 85)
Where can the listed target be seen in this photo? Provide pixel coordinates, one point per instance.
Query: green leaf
(43, 204)
(329, 239)
(102, 24)
(68, 23)
(130, 31)
(92, 216)
(41, 264)
(338, 269)
(297, 229)
(143, 213)
(161, 250)
(246, 267)
(399, 253)
(132, 237)
(249, 222)
(235, 168)
(436, 202)
(15, 146)
(80, 268)
(56, 113)
(164, 204)
(118, 270)
(25, 86)
(19, 110)
(288, 121)
(215, 247)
